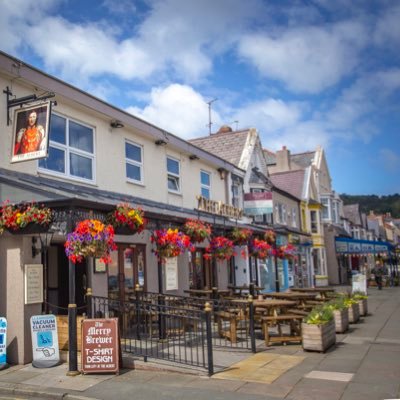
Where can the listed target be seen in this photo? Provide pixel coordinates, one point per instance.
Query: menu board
(33, 283)
(3, 343)
(100, 346)
(171, 273)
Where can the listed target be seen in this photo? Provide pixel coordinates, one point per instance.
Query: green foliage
(350, 301)
(337, 303)
(379, 204)
(320, 315)
(358, 295)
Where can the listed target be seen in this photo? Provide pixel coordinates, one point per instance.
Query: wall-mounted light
(221, 172)
(160, 142)
(193, 157)
(35, 250)
(116, 124)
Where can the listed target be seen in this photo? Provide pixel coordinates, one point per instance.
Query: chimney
(283, 160)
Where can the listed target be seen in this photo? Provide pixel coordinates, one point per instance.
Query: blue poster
(3, 342)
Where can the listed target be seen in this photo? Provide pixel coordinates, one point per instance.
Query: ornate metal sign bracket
(24, 100)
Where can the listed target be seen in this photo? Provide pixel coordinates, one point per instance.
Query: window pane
(205, 178)
(80, 137)
(57, 129)
(133, 172)
(173, 166)
(133, 152)
(55, 160)
(205, 193)
(173, 183)
(80, 166)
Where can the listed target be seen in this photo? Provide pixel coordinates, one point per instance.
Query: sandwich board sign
(45, 349)
(3, 342)
(100, 345)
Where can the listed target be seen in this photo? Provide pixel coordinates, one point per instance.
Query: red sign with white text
(100, 347)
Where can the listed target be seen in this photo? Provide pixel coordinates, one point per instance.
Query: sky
(304, 73)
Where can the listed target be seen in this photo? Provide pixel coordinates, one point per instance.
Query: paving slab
(359, 391)
(330, 376)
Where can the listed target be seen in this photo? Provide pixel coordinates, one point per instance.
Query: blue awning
(359, 246)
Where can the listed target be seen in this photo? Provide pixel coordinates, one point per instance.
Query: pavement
(364, 364)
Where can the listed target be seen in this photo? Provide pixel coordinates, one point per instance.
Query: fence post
(89, 298)
(162, 329)
(251, 289)
(137, 310)
(207, 310)
(251, 322)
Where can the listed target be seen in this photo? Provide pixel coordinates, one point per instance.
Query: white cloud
(389, 160)
(387, 33)
(177, 109)
(308, 59)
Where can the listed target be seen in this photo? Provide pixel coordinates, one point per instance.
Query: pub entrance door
(128, 268)
(202, 272)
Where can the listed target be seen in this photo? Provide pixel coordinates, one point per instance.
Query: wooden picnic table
(299, 297)
(207, 292)
(246, 288)
(322, 291)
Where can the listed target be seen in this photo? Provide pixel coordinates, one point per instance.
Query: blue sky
(304, 73)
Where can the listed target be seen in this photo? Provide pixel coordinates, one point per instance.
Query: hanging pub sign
(31, 132)
(44, 333)
(100, 345)
(3, 342)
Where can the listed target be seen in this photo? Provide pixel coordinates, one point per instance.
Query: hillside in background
(379, 204)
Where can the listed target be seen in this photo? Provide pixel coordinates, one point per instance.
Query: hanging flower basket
(91, 238)
(221, 248)
(241, 236)
(127, 220)
(270, 236)
(286, 252)
(25, 219)
(260, 249)
(197, 230)
(170, 243)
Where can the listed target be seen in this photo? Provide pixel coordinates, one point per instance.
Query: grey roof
(270, 156)
(352, 213)
(290, 181)
(303, 160)
(226, 145)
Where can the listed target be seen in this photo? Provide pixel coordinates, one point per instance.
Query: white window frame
(134, 162)
(203, 186)
(326, 207)
(314, 224)
(68, 150)
(294, 218)
(174, 175)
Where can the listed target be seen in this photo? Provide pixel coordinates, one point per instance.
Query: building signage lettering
(219, 208)
(33, 283)
(3, 343)
(44, 333)
(359, 247)
(100, 350)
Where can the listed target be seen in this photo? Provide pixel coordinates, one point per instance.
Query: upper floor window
(134, 162)
(314, 221)
(174, 171)
(205, 184)
(71, 149)
(325, 208)
(294, 218)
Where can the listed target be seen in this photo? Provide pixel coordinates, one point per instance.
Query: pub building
(98, 156)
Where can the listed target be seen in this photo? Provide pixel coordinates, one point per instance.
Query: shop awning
(362, 247)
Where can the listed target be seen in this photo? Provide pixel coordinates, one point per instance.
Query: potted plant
(241, 236)
(197, 230)
(340, 314)
(221, 248)
(170, 243)
(25, 218)
(260, 249)
(353, 309)
(127, 220)
(286, 251)
(91, 238)
(318, 329)
(362, 300)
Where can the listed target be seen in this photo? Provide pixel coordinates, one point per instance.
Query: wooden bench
(298, 311)
(292, 320)
(232, 317)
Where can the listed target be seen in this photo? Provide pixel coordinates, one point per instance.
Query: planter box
(62, 328)
(363, 306)
(354, 313)
(341, 320)
(318, 337)
(31, 228)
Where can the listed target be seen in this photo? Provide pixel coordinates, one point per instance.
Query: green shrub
(357, 295)
(337, 304)
(319, 315)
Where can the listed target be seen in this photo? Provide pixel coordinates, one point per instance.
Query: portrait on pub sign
(30, 133)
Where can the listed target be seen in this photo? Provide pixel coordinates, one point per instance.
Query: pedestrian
(378, 274)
